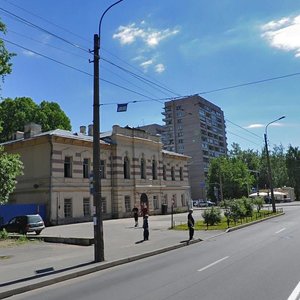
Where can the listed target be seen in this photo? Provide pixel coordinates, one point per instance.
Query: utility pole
(97, 218)
(98, 222)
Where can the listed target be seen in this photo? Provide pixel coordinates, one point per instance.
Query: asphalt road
(258, 262)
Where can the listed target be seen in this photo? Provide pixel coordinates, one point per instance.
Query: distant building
(154, 129)
(134, 170)
(195, 127)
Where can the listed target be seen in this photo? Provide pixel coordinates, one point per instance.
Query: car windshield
(34, 219)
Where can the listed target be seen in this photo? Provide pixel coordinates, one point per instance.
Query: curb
(95, 268)
(252, 223)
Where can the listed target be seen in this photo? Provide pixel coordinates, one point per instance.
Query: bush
(259, 202)
(211, 216)
(3, 234)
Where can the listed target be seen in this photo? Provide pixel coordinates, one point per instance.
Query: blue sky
(187, 47)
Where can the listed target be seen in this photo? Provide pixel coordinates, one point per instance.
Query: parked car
(25, 224)
(203, 203)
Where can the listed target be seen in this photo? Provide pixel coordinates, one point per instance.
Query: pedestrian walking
(135, 212)
(146, 228)
(191, 224)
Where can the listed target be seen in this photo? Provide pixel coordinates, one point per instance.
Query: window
(164, 172)
(155, 202)
(181, 173)
(165, 199)
(127, 204)
(126, 167)
(180, 141)
(174, 200)
(68, 167)
(104, 205)
(68, 208)
(102, 169)
(154, 169)
(173, 173)
(183, 202)
(86, 168)
(179, 121)
(86, 207)
(143, 169)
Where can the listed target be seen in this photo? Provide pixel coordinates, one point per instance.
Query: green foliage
(3, 234)
(258, 202)
(48, 114)
(211, 216)
(5, 56)
(293, 168)
(10, 167)
(231, 174)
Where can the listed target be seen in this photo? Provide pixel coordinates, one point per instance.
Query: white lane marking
(280, 230)
(212, 264)
(296, 292)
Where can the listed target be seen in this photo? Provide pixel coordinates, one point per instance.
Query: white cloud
(284, 34)
(146, 64)
(28, 53)
(255, 126)
(159, 68)
(151, 37)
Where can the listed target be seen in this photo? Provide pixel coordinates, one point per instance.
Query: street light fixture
(98, 222)
(269, 164)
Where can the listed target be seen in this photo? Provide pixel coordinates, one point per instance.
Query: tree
(10, 167)
(5, 56)
(24, 110)
(293, 168)
(232, 174)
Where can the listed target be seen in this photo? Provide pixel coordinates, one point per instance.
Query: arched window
(154, 169)
(126, 167)
(173, 173)
(181, 173)
(143, 168)
(164, 172)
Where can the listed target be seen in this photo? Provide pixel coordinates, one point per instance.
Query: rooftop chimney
(83, 129)
(90, 130)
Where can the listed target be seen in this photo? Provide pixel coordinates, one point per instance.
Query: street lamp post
(98, 222)
(269, 164)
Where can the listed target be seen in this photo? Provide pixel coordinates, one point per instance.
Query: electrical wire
(78, 70)
(30, 24)
(257, 136)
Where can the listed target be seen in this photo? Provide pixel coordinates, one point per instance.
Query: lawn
(199, 225)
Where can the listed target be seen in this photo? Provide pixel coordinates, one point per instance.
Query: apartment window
(143, 168)
(104, 205)
(173, 173)
(178, 107)
(180, 134)
(127, 204)
(126, 168)
(179, 121)
(86, 168)
(68, 208)
(155, 202)
(180, 141)
(68, 167)
(181, 173)
(154, 169)
(102, 169)
(164, 172)
(86, 207)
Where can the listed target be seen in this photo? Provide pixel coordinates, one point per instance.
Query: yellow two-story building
(134, 171)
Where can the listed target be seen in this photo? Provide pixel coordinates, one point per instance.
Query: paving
(38, 264)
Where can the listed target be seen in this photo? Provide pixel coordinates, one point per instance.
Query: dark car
(25, 224)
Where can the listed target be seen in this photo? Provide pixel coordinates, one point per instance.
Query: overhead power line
(78, 70)
(28, 23)
(257, 136)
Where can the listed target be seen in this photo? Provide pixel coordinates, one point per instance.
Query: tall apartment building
(195, 127)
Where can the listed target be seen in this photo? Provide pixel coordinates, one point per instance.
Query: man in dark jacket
(191, 223)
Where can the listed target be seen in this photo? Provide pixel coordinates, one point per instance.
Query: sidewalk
(38, 264)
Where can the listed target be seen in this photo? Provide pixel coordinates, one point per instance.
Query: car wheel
(38, 232)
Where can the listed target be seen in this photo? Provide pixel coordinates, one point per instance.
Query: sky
(243, 56)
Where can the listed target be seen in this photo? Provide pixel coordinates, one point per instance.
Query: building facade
(195, 127)
(134, 171)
